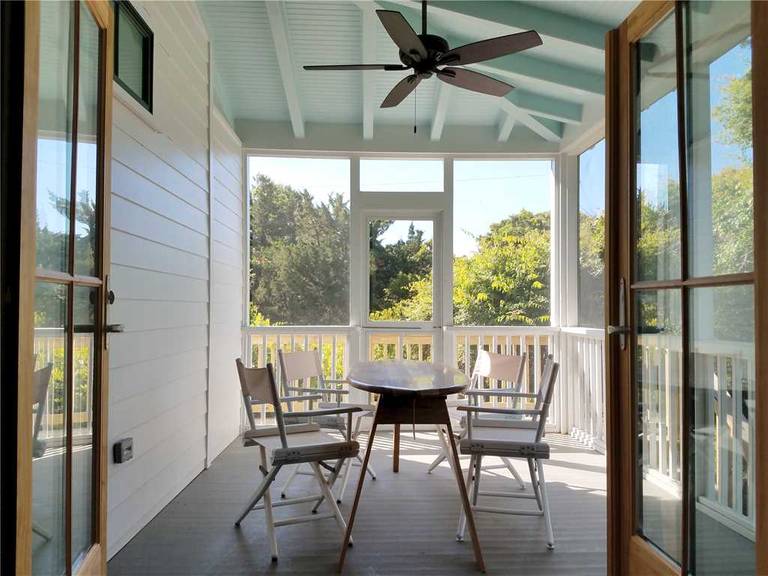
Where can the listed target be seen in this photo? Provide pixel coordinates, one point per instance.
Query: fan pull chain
(414, 111)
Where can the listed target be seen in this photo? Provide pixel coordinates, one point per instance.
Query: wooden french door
(62, 471)
(687, 289)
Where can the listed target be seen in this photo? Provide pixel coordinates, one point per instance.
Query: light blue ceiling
(559, 84)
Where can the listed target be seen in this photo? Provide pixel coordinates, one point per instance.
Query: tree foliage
(400, 275)
(299, 256)
(507, 280)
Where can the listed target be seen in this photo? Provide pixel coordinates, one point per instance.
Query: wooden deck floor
(406, 522)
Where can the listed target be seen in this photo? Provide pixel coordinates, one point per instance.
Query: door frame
(628, 552)
(95, 560)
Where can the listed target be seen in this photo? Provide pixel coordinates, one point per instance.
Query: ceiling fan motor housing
(436, 46)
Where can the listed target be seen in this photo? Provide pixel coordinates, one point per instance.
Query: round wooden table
(410, 393)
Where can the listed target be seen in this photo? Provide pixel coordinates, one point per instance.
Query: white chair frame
(304, 365)
(524, 439)
(258, 386)
(501, 367)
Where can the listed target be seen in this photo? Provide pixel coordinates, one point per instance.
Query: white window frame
(569, 187)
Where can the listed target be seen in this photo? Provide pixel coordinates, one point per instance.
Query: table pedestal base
(410, 409)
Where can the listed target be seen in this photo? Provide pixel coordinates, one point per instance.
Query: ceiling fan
(428, 54)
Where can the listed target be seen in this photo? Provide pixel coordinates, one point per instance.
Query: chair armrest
(317, 390)
(506, 393)
(274, 431)
(325, 412)
(479, 409)
(301, 398)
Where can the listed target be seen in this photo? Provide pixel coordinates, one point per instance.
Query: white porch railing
(582, 384)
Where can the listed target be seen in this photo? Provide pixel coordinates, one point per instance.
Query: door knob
(114, 328)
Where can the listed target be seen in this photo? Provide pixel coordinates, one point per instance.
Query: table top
(406, 377)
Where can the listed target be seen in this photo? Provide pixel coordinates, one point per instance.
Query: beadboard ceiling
(270, 98)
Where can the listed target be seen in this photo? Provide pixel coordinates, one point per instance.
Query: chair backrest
(42, 379)
(258, 385)
(546, 391)
(300, 365)
(503, 367)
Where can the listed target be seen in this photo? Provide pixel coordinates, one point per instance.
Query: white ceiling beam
(279, 30)
(370, 21)
(506, 123)
(539, 127)
(444, 92)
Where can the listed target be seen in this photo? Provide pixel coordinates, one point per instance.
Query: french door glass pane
(83, 398)
(86, 232)
(719, 82)
(49, 430)
(658, 397)
(400, 276)
(54, 140)
(722, 366)
(657, 175)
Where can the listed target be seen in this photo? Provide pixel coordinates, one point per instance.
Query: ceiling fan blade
(401, 91)
(471, 80)
(491, 48)
(402, 34)
(357, 67)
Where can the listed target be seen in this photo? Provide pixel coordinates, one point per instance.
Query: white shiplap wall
(227, 289)
(179, 409)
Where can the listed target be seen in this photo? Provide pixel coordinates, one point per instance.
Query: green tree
(299, 256)
(400, 275)
(507, 280)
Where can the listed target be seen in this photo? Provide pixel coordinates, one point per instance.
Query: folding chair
(308, 444)
(304, 366)
(503, 436)
(508, 369)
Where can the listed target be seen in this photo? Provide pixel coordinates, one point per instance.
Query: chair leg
(545, 505)
(291, 476)
(478, 472)
(369, 468)
(534, 483)
(443, 452)
(347, 474)
(331, 501)
(269, 518)
(462, 528)
(263, 487)
(331, 481)
(514, 472)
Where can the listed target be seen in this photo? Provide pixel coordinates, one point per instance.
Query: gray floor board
(406, 522)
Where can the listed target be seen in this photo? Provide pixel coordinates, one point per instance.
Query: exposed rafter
(582, 80)
(369, 83)
(444, 92)
(547, 129)
(520, 16)
(506, 123)
(284, 60)
(547, 107)
(567, 77)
